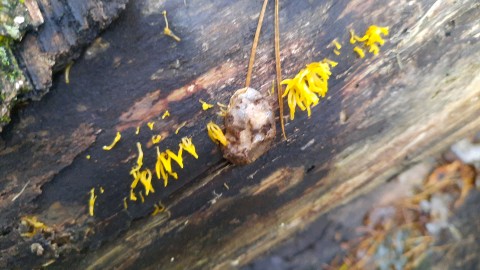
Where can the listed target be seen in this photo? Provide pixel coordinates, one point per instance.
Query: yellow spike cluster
(216, 134)
(372, 38)
(306, 88)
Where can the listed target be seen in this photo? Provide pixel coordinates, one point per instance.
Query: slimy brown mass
(249, 125)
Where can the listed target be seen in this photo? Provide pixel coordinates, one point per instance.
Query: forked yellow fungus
(35, 225)
(91, 202)
(167, 31)
(336, 52)
(117, 138)
(372, 38)
(137, 131)
(205, 105)
(216, 134)
(156, 139)
(167, 164)
(160, 170)
(337, 44)
(165, 114)
(188, 146)
(150, 125)
(146, 180)
(158, 208)
(359, 51)
(177, 157)
(308, 86)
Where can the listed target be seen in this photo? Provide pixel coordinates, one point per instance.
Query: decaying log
(418, 95)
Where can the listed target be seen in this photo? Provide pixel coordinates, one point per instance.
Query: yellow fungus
(336, 52)
(67, 72)
(102, 190)
(337, 44)
(125, 205)
(188, 146)
(167, 164)
(216, 134)
(146, 180)
(91, 202)
(372, 38)
(136, 177)
(167, 31)
(150, 125)
(179, 127)
(158, 208)
(221, 105)
(222, 112)
(156, 139)
(160, 170)
(165, 114)
(133, 197)
(141, 196)
(177, 157)
(88, 156)
(140, 155)
(137, 131)
(117, 138)
(205, 105)
(359, 51)
(308, 86)
(35, 225)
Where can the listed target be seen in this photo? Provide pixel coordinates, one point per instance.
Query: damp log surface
(417, 96)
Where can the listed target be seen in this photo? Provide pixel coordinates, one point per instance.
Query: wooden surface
(417, 96)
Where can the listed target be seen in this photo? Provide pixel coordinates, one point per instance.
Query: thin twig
(279, 68)
(255, 43)
(21, 191)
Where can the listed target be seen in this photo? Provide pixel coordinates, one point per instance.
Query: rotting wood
(416, 97)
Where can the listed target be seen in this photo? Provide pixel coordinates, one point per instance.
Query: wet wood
(383, 113)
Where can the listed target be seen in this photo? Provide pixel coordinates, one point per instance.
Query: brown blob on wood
(250, 126)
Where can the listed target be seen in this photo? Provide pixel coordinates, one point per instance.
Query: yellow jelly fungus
(141, 196)
(102, 190)
(160, 170)
(150, 125)
(156, 139)
(165, 114)
(308, 86)
(133, 197)
(337, 44)
(167, 31)
(67, 72)
(35, 226)
(167, 164)
(146, 180)
(140, 155)
(135, 172)
(88, 157)
(205, 105)
(179, 127)
(372, 38)
(336, 52)
(137, 131)
(359, 51)
(158, 208)
(216, 134)
(117, 138)
(188, 146)
(221, 105)
(91, 202)
(125, 205)
(177, 157)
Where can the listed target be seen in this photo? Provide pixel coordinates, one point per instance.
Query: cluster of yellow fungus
(306, 88)
(372, 38)
(117, 138)
(205, 105)
(34, 225)
(216, 134)
(156, 139)
(167, 31)
(337, 46)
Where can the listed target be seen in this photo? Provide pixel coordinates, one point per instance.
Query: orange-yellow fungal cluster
(35, 226)
(372, 38)
(216, 134)
(308, 86)
(117, 138)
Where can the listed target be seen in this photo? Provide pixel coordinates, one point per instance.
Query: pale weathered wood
(414, 98)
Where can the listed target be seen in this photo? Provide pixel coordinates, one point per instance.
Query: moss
(5, 119)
